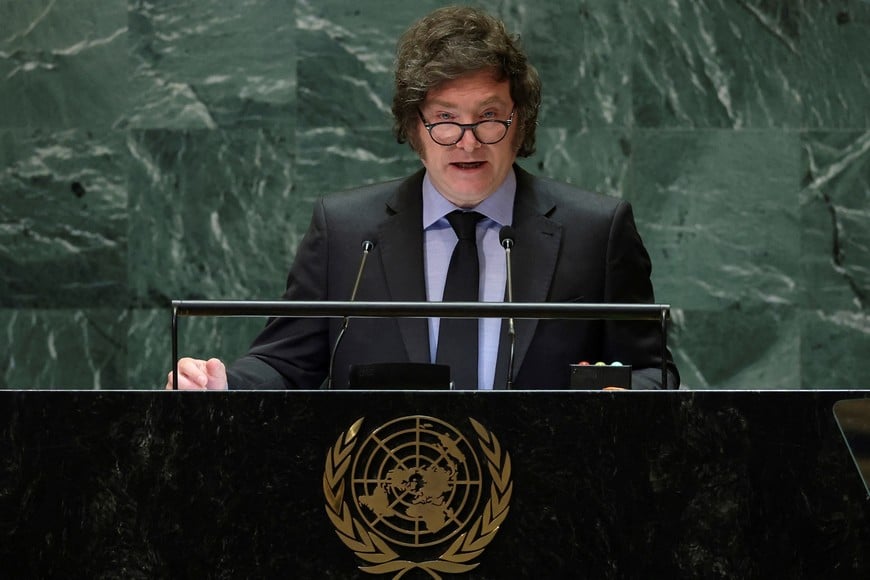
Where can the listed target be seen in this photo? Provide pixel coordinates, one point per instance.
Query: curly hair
(449, 43)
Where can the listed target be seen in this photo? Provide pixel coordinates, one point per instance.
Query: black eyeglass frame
(466, 126)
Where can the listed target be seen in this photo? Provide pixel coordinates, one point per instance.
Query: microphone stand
(506, 237)
(367, 248)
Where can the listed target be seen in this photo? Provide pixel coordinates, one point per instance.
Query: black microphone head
(368, 246)
(506, 237)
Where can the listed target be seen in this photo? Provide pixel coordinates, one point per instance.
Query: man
(467, 102)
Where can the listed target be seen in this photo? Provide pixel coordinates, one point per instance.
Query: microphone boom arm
(367, 248)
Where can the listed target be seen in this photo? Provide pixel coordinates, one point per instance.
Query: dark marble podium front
(606, 485)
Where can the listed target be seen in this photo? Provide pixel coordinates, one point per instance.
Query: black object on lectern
(600, 377)
(417, 376)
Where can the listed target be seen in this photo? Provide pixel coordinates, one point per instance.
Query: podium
(680, 484)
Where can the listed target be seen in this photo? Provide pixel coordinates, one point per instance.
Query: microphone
(367, 247)
(506, 238)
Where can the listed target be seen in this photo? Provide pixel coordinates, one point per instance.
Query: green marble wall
(172, 149)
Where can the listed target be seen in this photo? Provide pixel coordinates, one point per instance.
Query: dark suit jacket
(570, 246)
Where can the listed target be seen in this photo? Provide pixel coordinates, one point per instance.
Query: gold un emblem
(410, 495)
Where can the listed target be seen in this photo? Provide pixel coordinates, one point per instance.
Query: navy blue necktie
(458, 337)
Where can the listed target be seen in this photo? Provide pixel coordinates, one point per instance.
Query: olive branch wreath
(370, 547)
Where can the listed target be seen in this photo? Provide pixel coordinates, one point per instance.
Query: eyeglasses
(488, 132)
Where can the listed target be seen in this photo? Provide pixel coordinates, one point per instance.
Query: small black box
(414, 376)
(598, 377)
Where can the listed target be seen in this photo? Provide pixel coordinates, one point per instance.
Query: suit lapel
(535, 253)
(400, 238)
(536, 250)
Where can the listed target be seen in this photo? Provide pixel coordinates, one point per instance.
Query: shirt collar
(499, 207)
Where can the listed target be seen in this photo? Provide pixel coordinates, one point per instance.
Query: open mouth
(470, 165)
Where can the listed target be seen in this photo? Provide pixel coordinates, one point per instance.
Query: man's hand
(199, 375)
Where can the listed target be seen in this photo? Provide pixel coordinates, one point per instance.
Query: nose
(468, 142)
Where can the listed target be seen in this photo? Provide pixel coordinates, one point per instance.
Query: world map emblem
(416, 494)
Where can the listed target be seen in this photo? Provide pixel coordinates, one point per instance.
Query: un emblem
(413, 494)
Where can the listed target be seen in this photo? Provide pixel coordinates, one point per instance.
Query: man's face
(468, 172)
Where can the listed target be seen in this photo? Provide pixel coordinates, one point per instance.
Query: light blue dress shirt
(438, 242)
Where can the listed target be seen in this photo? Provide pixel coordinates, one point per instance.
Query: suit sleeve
(628, 280)
(293, 352)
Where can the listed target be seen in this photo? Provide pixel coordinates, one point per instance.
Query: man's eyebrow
(486, 102)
